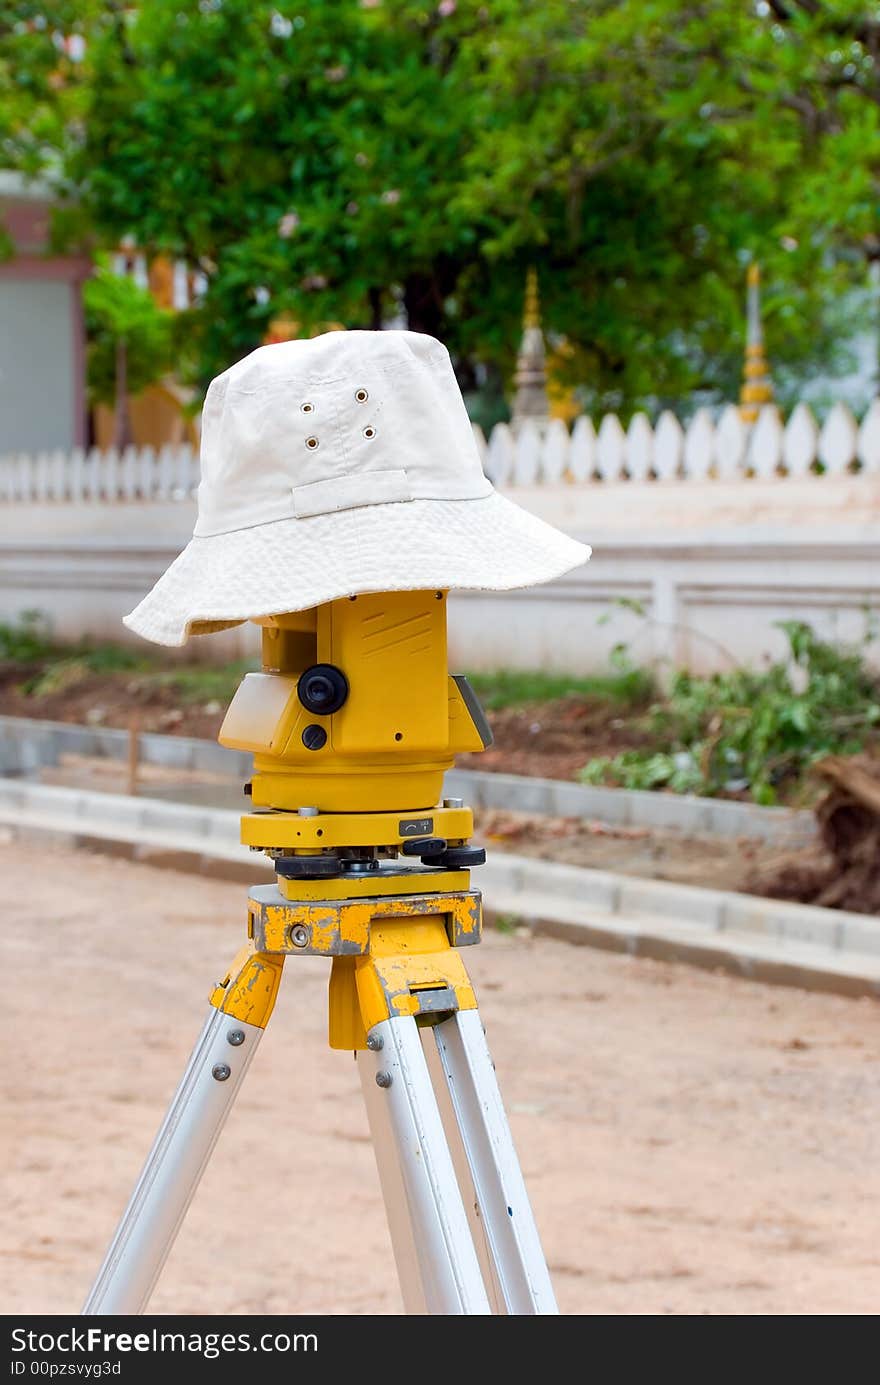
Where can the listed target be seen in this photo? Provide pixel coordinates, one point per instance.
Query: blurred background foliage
(123, 317)
(370, 163)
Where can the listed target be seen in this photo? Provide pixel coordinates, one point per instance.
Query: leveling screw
(220, 1071)
(299, 935)
(383, 1079)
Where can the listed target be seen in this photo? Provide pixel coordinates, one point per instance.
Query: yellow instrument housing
(403, 722)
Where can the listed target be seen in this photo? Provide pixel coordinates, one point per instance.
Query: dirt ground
(110, 699)
(692, 1144)
(552, 740)
(720, 863)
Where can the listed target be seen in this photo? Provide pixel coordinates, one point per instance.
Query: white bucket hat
(336, 465)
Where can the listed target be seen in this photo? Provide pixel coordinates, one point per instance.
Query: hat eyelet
(369, 431)
(307, 407)
(361, 396)
(312, 443)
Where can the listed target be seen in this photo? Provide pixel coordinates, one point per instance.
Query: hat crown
(333, 422)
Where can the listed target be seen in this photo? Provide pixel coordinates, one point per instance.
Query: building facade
(42, 335)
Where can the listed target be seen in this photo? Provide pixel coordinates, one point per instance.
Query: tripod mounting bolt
(383, 1079)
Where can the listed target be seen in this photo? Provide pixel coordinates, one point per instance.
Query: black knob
(307, 867)
(462, 857)
(423, 846)
(322, 689)
(314, 737)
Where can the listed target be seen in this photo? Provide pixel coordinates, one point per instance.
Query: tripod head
(353, 722)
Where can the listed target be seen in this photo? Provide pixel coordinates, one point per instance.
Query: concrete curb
(683, 813)
(28, 746)
(767, 940)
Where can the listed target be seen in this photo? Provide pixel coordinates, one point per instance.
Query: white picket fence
(137, 473)
(709, 446)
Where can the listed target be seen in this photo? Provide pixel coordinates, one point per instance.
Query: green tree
(653, 149)
(339, 160)
(45, 70)
(129, 344)
(300, 155)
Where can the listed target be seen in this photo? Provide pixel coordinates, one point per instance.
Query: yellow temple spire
(530, 378)
(757, 387)
(532, 310)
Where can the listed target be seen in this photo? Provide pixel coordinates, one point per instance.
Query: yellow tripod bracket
(392, 954)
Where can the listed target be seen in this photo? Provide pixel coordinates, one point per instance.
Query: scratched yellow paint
(336, 926)
(406, 955)
(249, 989)
(388, 986)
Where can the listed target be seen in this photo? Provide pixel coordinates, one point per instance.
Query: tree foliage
(119, 313)
(353, 160)
(45, 69)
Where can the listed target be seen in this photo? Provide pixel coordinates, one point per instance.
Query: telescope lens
(322, 689)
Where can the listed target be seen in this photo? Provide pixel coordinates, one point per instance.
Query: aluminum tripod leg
(431, 1237)
(435, 1254)
(504, 1205)
(183, 1146)
(436, 1259)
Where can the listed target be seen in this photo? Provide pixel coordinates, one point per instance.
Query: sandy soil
(692, 1144)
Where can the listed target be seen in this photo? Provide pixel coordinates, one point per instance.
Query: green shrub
(625, 686)
(26, 641)
(753, 730)
(207, 682)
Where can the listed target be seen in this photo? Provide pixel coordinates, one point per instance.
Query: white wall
(715, 565)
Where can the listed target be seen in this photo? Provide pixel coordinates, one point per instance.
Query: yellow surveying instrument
(352, 723)
(342, 486)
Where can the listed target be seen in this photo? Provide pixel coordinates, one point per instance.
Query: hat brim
(486, 544)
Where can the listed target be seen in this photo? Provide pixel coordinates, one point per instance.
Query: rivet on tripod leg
(235, 1037)
(375, 1042)
(220, 1071)
(383, 1079)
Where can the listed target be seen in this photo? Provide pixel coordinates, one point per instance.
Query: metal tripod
(464, 1237)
